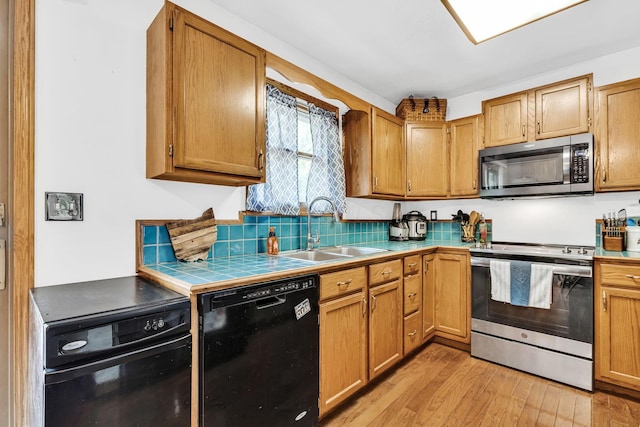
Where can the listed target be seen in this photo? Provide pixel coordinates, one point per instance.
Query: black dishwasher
(113, 352)
(259, 354)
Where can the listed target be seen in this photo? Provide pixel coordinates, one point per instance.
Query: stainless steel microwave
(550, 167)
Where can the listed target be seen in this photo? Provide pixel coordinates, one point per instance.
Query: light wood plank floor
(442, 386)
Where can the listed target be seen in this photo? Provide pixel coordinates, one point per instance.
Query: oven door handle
(565, 269)
(59, 375)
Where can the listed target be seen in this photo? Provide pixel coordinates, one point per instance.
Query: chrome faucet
(313, 241)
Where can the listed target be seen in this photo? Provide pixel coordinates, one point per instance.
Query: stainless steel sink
(352, 250)
(317, 256)
(331, 253)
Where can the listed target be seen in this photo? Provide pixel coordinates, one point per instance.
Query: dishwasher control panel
(259, 291)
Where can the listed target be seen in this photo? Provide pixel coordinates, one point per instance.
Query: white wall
(90, 138)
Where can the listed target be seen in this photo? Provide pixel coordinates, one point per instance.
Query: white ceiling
(399, 47)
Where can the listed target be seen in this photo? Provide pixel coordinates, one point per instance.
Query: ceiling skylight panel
(484, 19)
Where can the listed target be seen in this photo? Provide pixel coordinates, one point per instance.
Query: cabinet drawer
(412, 265)
(384, 272)
(621, 275)
(412, 293)
(342, 282)
(412, 338)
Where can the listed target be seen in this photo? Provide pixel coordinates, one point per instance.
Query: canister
(633, 238)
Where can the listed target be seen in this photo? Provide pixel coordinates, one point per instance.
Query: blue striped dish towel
(521, 283)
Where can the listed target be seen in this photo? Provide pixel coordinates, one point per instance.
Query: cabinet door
(452, 300)
(618, 346)
(428, 296)
(427, 159)
(387, 153)
(505, 120)
(385, 327)
(343, 349)
(219, 95)
(464, 138)
(563, 109)
(617, 136)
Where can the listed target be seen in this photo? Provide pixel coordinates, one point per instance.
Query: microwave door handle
(566, 164)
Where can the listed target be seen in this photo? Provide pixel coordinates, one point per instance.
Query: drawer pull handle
(387, 272)
(344, 283)
(413, 333)
(373, 303)
(412, 265)
(412, 294)
(604, 300)
(631, 276)
(364, 306)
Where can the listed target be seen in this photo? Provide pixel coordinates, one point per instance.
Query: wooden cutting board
(192, 238)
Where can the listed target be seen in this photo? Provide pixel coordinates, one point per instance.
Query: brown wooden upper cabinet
(618, 136)
(505, 120)
(205, 102)
(558, 109)
(427, 159)
(464, 141)
(375, 154)
(442, 158)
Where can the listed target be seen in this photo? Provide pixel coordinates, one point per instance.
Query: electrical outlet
(63, 206)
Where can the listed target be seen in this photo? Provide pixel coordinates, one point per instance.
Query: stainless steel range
(554, 342)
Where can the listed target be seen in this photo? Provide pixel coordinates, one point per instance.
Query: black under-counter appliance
(113, 352)
(259, 354)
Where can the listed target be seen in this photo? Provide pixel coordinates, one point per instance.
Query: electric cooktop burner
(537, 250)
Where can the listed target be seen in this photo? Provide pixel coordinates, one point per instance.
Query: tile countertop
(225, 272)
(601, 253)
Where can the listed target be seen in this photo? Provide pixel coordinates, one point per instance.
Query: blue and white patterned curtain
(326, 177)
(279, 193)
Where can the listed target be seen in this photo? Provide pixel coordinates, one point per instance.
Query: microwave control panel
(580, 163)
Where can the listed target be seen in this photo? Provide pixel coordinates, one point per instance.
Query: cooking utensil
(474, 217)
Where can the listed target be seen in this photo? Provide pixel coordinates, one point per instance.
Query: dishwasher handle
(270, 302)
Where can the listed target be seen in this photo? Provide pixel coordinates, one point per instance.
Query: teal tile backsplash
(251, 237)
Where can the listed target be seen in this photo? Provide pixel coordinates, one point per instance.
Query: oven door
(570, 315)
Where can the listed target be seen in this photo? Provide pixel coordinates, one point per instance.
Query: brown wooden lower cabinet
(370, 317)
(385, 317)
(617, 323)
(452, 313)
(343, 338)
(428, 296)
